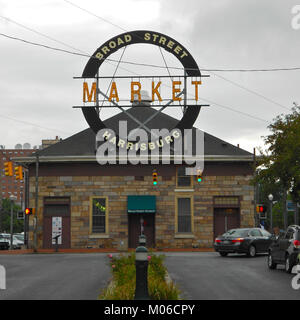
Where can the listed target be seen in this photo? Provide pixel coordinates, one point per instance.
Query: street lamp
(12, 199)
(270, 196)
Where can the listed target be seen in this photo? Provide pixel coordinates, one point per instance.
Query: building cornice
(91, 158)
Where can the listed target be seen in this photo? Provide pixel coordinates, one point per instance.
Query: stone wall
(117, 188)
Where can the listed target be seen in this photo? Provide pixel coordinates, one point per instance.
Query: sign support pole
(36, 202)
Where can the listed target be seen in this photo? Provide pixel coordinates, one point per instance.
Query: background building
(95, 205)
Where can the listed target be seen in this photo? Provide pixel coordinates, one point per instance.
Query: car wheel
(288, 264)
(252, 252)
(223, 254)
(271, 263)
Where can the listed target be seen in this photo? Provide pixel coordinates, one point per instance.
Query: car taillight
(217, 241)
(297, 244)
(239, 240)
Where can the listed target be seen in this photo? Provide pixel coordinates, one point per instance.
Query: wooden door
(225, 219)
(134, 229)
(57, 210)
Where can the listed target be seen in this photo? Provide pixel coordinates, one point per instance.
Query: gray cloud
(36, 84)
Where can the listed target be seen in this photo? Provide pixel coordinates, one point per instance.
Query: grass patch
(123, 285)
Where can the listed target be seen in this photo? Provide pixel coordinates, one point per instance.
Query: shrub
(123, 284)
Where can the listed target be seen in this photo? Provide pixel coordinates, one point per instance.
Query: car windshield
(236, 233)
(19, 237)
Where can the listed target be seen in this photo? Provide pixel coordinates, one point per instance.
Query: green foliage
(123, 288)
(278, 168)
(18, 225)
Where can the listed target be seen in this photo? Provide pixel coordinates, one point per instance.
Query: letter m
(87, 94)
(2, 278)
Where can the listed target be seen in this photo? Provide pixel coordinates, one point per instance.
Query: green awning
(141, 204)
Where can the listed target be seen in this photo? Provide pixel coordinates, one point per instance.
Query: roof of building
(83, 143)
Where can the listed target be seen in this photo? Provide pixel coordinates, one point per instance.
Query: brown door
(225, 219)
(134, 229)
(62, 212)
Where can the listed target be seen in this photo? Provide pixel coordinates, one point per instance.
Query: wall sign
(141, 36)
(57, 229)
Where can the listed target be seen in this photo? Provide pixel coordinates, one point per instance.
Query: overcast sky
(37, 85)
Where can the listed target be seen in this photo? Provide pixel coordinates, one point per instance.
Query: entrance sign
(141, 204)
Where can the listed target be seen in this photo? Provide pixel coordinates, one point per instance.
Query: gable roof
(83, 143)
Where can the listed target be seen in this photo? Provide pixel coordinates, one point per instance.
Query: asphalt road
(200, 276)
(54, 276)
(203, 276)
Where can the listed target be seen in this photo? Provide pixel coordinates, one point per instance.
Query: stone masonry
(117, 188)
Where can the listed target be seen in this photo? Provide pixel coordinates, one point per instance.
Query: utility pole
(36, 202)
(255, 190)
(12, 199)
(1, 170)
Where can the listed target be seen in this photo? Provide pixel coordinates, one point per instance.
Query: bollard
(142, 240)
(56, 242)
(141, 264)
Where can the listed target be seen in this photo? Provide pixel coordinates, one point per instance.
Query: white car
(16, 243)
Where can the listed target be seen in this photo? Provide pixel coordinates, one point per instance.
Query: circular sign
(135, 37)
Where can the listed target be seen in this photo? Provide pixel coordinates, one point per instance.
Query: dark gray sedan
(247, 240)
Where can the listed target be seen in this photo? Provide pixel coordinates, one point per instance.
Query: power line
(79, 54)
(133, 63)
(93, 14)
(32, 124)
(251, 91)
(136, 63)
(204, 69)
(40, 33)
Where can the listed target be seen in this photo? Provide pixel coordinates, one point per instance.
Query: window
(265, 233)
(255, 233)
(99, 215)
(226, 201)
(290, 234)
(182, 179)
(184, 215)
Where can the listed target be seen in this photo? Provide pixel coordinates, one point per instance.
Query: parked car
(243, 240)
(20, 237)
(16, 243)
(285, 249)
(4, 244)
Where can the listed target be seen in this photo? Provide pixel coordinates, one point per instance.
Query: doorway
(225, 219)
(56, 222)
(141, 222)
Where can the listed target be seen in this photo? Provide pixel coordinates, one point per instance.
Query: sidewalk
(96, 250)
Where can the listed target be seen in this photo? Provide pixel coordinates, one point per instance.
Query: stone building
(108, 206)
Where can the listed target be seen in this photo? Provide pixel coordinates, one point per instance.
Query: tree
(279, 165)
(18, 225)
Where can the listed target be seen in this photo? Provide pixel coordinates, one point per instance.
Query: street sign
(290, 205)
(56, 229)
(20, 215)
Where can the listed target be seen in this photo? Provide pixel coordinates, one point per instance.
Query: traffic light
(8, 168)
(29, 211)
(261, 209)
(199, 176)
(19, 173)
(154, 178)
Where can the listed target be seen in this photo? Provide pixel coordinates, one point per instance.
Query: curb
(52, 251)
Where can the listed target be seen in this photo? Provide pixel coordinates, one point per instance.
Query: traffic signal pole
(1, 200)
(36, 203)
